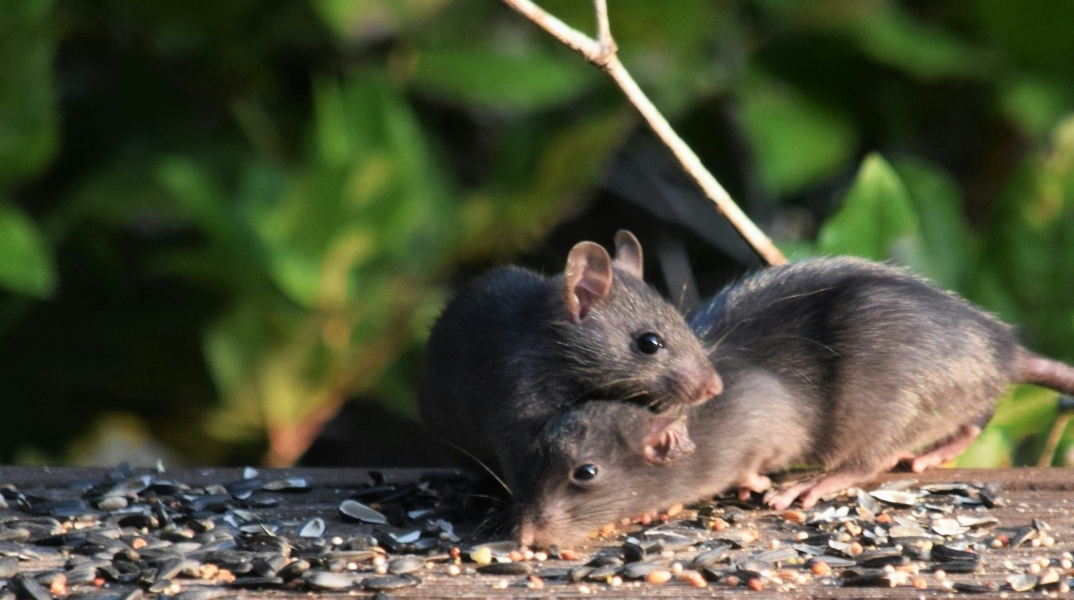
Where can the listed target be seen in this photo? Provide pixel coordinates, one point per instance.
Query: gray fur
(843, 363)
(506, 356)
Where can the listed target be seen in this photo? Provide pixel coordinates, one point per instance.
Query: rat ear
(628, 253)
(587, 280)
(668, 440)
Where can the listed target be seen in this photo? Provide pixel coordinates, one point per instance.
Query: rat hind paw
(811, 490)
(946, 450)
(752, 482)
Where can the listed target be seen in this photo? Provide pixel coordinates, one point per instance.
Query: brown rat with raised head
(514, 348)
(843, 363)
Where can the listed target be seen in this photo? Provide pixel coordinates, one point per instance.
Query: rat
(514, 348)
(844, 363)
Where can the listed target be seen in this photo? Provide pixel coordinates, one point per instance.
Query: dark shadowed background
(222, 221)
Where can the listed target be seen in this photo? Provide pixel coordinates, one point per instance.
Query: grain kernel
(694, 578)
(794, 516)
(658, 577)
(481, 556)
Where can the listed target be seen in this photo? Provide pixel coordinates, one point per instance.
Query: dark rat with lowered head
(514, 348)
(844, 363)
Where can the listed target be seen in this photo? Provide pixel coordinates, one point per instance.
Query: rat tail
(1045, 372)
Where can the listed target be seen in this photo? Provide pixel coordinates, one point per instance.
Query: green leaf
(508, 216)
(197, 195)
(488, 77)
(877, 220)
(371, 200)
(1036, 33)
(797, 140)
(26, 263)
(363, 19)
(1035, 104)
(891, 36)
(949, 247)
(29, 125)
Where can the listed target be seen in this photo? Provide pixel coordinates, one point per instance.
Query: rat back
(479, 362)
(891, 362)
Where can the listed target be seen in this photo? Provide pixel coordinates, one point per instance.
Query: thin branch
(602, 54)
(571, 37)
(604, 30)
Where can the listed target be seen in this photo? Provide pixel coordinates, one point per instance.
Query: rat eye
(649, 343)
(585, 473)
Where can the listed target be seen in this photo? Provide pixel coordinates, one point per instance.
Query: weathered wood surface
(1046, 494)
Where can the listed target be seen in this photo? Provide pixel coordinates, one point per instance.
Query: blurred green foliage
(228, 217)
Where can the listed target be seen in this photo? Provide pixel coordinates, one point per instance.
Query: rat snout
(527, 534)
(702, 381)
(540, 528)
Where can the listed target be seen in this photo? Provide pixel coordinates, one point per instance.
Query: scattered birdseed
(169, 531)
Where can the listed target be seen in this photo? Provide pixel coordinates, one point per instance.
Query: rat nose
(714, 387)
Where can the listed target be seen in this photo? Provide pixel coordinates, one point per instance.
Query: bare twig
(601, 52)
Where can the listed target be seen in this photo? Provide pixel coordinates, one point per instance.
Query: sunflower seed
(507, 568)
(948, 527)
(947, 553)
(895, 497)
(391, 582)
(714, 555)
(359, 512)
(972, 588)
(781, 554)
(289, 484)
(640, 570)
(602, 573)
(311, 528)
(321, 580)
(27, 588)
(959, 566)
(9, 565)
(406, 564)
(1023, 582)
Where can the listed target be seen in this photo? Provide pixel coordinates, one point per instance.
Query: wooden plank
(1029, 494)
